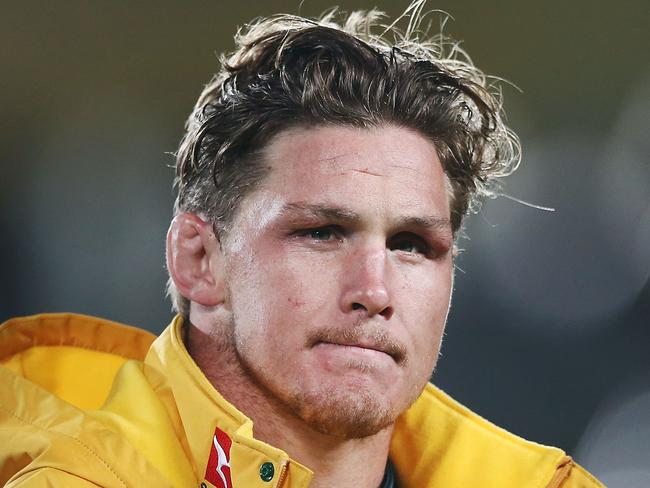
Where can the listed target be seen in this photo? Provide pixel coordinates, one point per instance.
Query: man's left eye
(408, 243)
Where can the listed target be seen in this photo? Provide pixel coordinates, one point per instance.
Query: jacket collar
(199, 407)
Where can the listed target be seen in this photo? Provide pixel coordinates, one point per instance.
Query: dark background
(549, 333)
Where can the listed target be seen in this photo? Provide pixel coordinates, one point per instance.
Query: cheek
(273, 295)
(426, 349)
(298, 279)
(428, 298)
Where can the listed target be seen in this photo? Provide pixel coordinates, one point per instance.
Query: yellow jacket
(87, 402)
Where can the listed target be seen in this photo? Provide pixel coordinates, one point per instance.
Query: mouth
(361, 347)
(378, 345)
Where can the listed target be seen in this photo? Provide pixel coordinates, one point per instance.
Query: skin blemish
(294, 302)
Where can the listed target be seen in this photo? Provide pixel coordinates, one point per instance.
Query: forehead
(339, 164)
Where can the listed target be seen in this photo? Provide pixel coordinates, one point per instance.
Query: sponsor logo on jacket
(218, 469)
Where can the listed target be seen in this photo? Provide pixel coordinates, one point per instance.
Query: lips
(378, 340)
(368, 346)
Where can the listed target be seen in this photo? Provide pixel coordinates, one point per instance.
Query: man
(322, 182)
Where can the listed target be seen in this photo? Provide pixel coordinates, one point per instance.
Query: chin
(344, 414)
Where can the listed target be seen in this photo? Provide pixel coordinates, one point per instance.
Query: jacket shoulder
(457, 447)
(74, 357)
(56, 370)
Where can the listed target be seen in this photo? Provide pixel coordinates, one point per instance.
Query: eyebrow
(343, 215)
(320, 211)
(429, 222)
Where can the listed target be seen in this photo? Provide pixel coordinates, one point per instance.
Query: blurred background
(549, 335)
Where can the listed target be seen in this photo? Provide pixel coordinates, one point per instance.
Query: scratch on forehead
(334, 155)
(366, 171)
(331, 162)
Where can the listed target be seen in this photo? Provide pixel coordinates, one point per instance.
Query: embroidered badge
(218, 470)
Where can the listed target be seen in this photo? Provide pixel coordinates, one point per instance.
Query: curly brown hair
(290, 71)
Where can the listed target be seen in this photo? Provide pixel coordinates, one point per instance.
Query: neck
(335, 461)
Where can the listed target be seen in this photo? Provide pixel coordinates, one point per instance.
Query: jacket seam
(25, 472)
(72, 341)
(78, 441)
(75, 346)
(562, 473)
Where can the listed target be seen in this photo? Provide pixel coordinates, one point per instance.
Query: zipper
(561, 473)
(283, 474)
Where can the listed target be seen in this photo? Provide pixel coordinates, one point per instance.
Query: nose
(364, 283)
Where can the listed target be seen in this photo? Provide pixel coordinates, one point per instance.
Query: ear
(195, 260)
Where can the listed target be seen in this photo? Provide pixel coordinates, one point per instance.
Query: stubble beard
(342, 413)
(339, 411)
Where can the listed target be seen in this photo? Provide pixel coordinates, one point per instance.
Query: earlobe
(194, 260)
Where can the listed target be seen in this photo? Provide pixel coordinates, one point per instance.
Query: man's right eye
(320, 234)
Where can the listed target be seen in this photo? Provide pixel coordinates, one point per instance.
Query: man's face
(339, 275)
